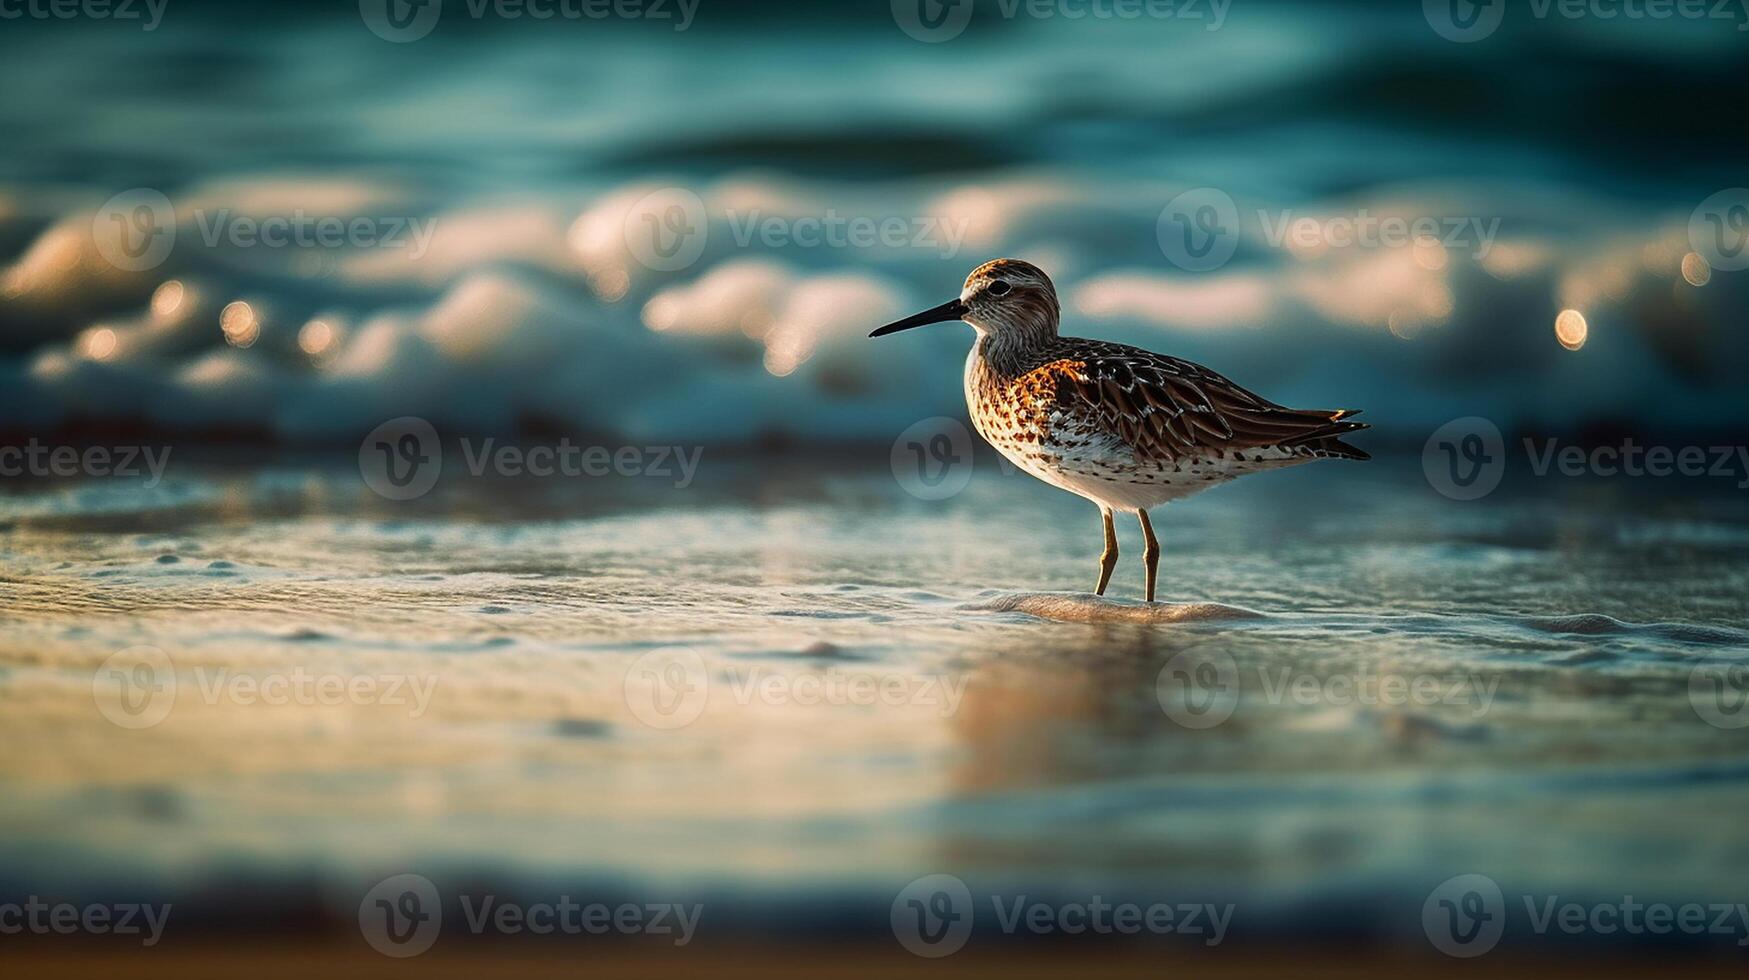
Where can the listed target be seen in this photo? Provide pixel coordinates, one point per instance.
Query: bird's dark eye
(997, 288)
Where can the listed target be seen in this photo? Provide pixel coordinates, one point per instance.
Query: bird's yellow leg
(1108, 557)
(1150, 552)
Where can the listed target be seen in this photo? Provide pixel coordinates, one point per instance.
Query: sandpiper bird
(1126, 428)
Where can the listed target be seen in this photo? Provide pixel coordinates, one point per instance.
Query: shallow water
(1359, 690)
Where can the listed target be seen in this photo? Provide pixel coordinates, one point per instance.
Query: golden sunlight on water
(1571, 329)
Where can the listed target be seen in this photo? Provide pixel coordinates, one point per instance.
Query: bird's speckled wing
(1168, 409)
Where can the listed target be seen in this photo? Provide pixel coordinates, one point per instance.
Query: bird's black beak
(953, 309)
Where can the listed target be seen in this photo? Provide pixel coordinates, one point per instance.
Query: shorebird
(1126, 428)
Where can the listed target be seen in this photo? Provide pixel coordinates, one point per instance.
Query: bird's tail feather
(1324, 439)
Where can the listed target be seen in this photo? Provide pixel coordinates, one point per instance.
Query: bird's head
(1003, 297)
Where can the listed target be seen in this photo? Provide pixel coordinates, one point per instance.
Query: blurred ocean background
(523, 165)
(527, 152)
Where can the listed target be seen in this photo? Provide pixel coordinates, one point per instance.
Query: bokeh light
(1696, 269)
(240, 324)
(1571, 329)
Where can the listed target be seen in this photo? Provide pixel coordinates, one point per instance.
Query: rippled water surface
(1405, 687)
